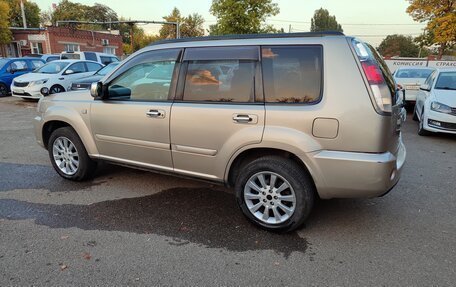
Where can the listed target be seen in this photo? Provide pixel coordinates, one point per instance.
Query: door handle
(245, 119)
(155, 114)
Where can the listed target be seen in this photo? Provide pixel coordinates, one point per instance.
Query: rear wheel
(275, 193)
(3, 90)
(69, 156)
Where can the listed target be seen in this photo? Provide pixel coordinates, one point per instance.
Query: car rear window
(292, 74)
(413, 73)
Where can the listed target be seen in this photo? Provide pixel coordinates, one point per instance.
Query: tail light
(374, 75)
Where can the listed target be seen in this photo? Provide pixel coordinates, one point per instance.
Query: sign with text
(394, 64)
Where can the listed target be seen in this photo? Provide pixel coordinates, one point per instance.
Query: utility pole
(24, 21)
(289, 29)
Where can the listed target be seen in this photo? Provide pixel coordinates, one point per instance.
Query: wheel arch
(249, 154)
(57, 117)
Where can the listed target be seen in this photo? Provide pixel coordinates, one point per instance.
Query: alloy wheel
(65, 155)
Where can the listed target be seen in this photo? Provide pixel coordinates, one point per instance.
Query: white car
(435, 107)
(410, 79)
(56, 76)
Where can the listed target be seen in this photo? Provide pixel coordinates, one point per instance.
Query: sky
(370, 20)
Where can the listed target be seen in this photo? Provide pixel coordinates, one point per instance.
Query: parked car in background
(276, 129)
(102, 58)
(435, 107)
(410, 79)
(84, 83)
(56, 76)
(11, 68)
(46, 57)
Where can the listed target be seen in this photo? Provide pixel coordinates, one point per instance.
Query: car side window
(105, 60)
(220, 81)
(292, 74)
(90, 56)
(77, 68)
(148, 78)
(36, 64)
(17, 66)
(93, 67)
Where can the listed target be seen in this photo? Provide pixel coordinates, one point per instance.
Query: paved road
(129, 227)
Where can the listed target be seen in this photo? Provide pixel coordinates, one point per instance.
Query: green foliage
(440, 16)
(67, 10)
(398, 45)
(32, 13)
(242, 16)
(191, 26)
(5, 33)
(322, 21)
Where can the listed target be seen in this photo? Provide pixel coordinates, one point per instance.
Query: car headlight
(441, 108)
(39, 82)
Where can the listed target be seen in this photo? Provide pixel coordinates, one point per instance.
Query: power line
(351, 24)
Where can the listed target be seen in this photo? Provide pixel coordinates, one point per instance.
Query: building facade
(54, 40)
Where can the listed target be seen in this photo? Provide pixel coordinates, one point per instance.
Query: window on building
(72, 47)
(37, 48)
(292, 74)
(109, 50)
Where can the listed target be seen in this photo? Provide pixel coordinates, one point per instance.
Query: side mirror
(97, 90)
(425, 87)
(69, 72)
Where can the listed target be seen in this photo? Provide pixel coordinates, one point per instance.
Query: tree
(398, 45)
(322, 21)
(32, 13)
(169, 31)
(440, 16)
(190, 26)
(242, 16)
(5, 32)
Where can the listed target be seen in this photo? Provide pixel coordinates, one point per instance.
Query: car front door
(15, 69)
(216, 111)
(131, 125)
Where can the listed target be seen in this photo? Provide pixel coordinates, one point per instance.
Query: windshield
(54, 67)
(413, 73)
(3, 62)
(103, 71)
(446, 81)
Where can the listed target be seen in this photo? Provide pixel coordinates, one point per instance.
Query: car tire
(415, 117)
(3, 90)
(55, 89)
(69, 156)
(421, 130)
(286, 172)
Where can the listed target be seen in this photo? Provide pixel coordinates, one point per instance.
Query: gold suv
(281, 118)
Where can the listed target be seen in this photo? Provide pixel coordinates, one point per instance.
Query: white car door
(424, 94)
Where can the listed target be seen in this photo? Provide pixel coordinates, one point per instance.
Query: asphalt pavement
(130, 227)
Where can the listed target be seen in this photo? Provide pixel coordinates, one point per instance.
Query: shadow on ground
(202, 216)
(34, 176)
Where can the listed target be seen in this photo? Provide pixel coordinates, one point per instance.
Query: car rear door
(218, 109)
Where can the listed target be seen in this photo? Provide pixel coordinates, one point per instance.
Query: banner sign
(394, 64)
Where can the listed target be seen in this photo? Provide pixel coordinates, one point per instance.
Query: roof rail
(250, 36)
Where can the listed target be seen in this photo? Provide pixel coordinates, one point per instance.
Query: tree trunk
(441, 51)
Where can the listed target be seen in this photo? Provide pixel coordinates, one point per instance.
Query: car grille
(20, 84)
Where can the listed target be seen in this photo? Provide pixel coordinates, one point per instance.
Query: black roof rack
(250, 36)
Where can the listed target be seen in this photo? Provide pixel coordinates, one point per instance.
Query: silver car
(281, 118)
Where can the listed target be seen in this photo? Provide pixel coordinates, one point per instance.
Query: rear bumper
(357, 175)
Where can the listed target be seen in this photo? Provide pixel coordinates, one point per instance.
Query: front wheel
(421, 130)
(55, 89)
(275, 193)
(69, 156)
(3, 90)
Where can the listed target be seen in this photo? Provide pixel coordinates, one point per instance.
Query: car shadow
(202, 216)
